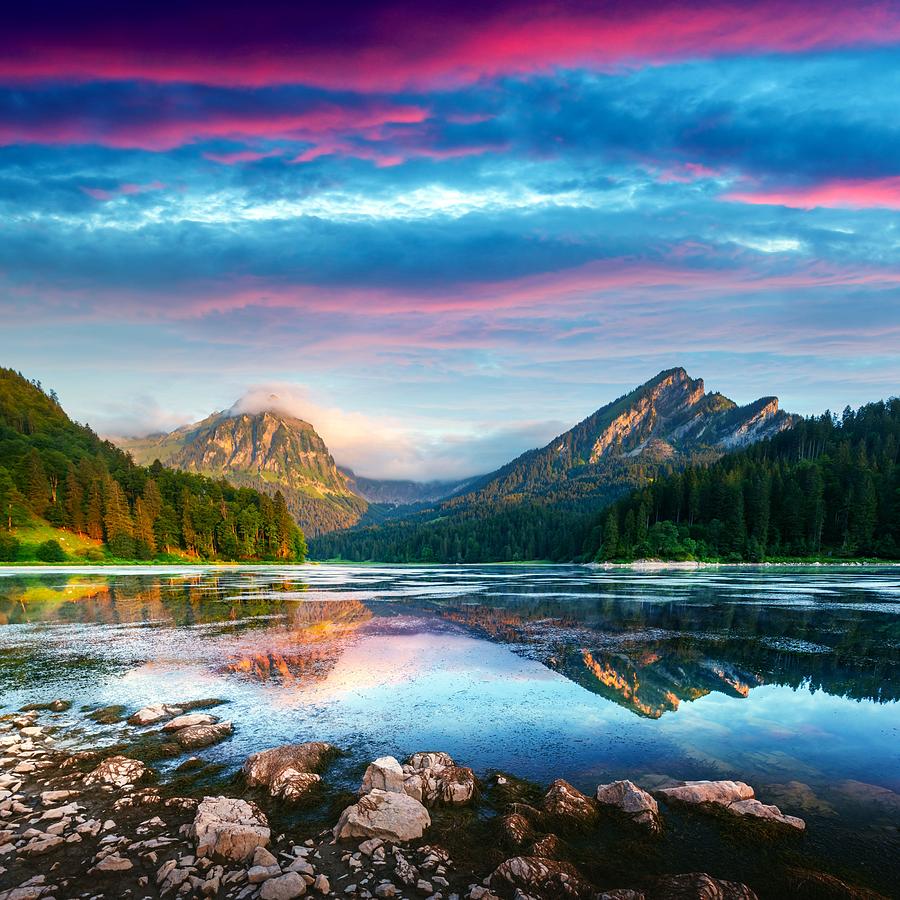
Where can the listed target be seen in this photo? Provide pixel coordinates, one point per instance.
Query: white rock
(117, 771)
(287, 887)
(384, 774)
(721, 792)
(634, 802)
(229, 828)
(394, 817)
(189, 720)
(157, 712)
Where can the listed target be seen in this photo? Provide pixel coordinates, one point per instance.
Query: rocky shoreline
(92, 823)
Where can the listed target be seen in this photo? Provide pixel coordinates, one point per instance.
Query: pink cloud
(123, 189)
(392, 49)
(241, 156)
(166, 133)
(687, 173)
(843, 193)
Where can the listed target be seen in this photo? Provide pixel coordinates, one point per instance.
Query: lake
(786, 678)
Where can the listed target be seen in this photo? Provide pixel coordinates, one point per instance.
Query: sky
(449, 232)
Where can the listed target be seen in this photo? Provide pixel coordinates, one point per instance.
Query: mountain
(268, 451)
(57, 476)
(669, 421)
(519, 510)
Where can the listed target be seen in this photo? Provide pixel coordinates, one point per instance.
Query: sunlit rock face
(670, 420)
(268, 450)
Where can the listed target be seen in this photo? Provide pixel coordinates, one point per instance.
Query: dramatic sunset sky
(442, 233)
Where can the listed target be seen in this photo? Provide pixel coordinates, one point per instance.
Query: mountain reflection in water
(647, 643)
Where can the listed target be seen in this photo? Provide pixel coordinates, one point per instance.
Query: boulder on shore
(383, 814)
(430, 778)
(636, 803)
(119, 771)
(229, 828)
(562, 801)
(290, 771)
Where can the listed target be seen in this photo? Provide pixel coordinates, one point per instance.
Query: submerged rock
(759, 810)
(263, 767)
(698, 886)
(189, 720)
(806, 884)
(539, 877)
(229, 828)
(156, 712)
(385, 814)
(196, 736)
(637, 804)
(734, 796)
(118, 771)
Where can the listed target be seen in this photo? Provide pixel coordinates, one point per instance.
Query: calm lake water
(786, 678)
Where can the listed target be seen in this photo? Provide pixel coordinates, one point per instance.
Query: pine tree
(74, 507)
(144, 538)
(37, 487)
(117, 523)
(95, 512)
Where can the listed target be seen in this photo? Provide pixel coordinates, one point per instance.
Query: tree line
(828, 487)
(54, 469)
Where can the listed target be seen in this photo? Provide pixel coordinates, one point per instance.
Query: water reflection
(649, 644)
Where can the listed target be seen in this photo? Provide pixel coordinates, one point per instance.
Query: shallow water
(786, 678)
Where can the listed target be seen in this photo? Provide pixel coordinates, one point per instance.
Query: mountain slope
(670, 420)
(664, 425)
(269, 451)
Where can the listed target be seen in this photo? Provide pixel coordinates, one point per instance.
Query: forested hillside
(829, 487)
(54, 469)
